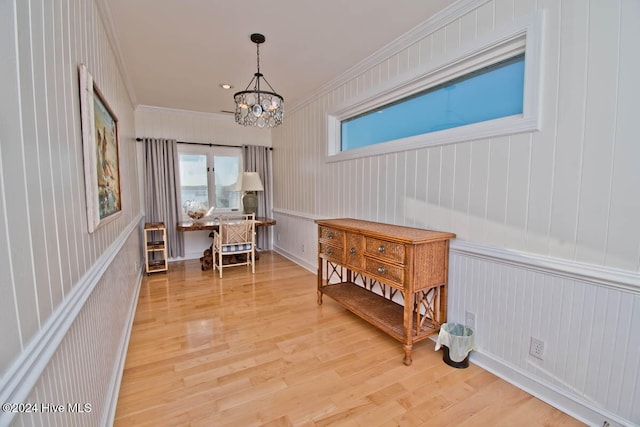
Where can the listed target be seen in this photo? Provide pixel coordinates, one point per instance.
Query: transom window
(488, 87)
(490, 93)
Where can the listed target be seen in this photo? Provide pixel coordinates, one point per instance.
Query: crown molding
(104, 10)
(431, 25)
(204, 114)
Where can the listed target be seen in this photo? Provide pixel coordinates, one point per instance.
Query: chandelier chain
(258, 56)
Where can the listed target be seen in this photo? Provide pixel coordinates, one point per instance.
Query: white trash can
(456, 341)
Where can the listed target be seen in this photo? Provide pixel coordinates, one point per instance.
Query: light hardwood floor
(256, 350)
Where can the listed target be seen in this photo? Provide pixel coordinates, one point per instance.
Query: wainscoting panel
(589, 330)
(296, 237)
(75, 363)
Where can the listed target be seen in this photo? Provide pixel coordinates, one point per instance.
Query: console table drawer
(330, 234)
(384, 249)
(355, 250)
(332, 253)
(388, 273)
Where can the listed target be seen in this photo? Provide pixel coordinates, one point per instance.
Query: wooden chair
(235, 236)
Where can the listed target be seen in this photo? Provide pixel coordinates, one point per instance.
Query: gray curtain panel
(258, 159)
(162, 189)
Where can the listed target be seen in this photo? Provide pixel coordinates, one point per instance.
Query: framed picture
(100, 145)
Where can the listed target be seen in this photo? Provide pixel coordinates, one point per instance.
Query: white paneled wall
(556, 192)
(62, 333)
(566, 193)
(192, 126)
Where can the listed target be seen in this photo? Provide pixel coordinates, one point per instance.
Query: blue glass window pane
(493, 92)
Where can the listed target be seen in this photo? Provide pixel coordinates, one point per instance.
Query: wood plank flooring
(256, 350)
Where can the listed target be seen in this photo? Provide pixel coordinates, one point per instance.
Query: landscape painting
(101, 154)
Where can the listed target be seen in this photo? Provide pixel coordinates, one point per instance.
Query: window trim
(521, 36)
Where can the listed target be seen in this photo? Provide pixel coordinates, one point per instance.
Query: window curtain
(162, 189)
(258, 159)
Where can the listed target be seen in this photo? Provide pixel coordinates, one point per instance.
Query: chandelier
(257, 107)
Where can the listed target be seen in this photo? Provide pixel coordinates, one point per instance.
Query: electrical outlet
(470, 320)
(536, 348)
(303, 247)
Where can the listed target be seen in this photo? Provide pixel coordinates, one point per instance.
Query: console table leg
(319, 298)
(409, 303)
(407, 355)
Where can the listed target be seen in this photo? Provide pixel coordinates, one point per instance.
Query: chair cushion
(236, 248)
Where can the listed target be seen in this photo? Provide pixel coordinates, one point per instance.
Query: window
(490, 93)
(503, 66)
(208, 176)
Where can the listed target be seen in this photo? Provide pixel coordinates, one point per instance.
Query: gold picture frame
(101, 152)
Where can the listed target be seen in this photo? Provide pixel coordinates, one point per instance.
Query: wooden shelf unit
(394, 277)
(155, 247)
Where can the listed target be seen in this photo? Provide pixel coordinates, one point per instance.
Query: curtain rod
(208, 144)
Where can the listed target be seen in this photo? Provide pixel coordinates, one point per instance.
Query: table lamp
(250, 184)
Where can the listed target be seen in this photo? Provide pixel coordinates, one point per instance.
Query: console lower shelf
(375, 309)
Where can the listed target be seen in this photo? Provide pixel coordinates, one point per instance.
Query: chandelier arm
(252, 80)
(272, 89)
(263, 92)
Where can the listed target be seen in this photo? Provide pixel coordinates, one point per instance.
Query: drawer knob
(381, 269)
(330, 251)
(381, 249)
(330, 235)
(352, 251)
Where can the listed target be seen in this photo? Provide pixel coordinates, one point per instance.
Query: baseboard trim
(23, 374)
(301, 262)
(112, 397)
(574, 406)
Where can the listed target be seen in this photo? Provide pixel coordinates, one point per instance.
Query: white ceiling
(176, 52)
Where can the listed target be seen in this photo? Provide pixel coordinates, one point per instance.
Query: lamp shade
(251, 182)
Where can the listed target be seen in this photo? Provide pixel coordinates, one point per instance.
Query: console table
(394, 277)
